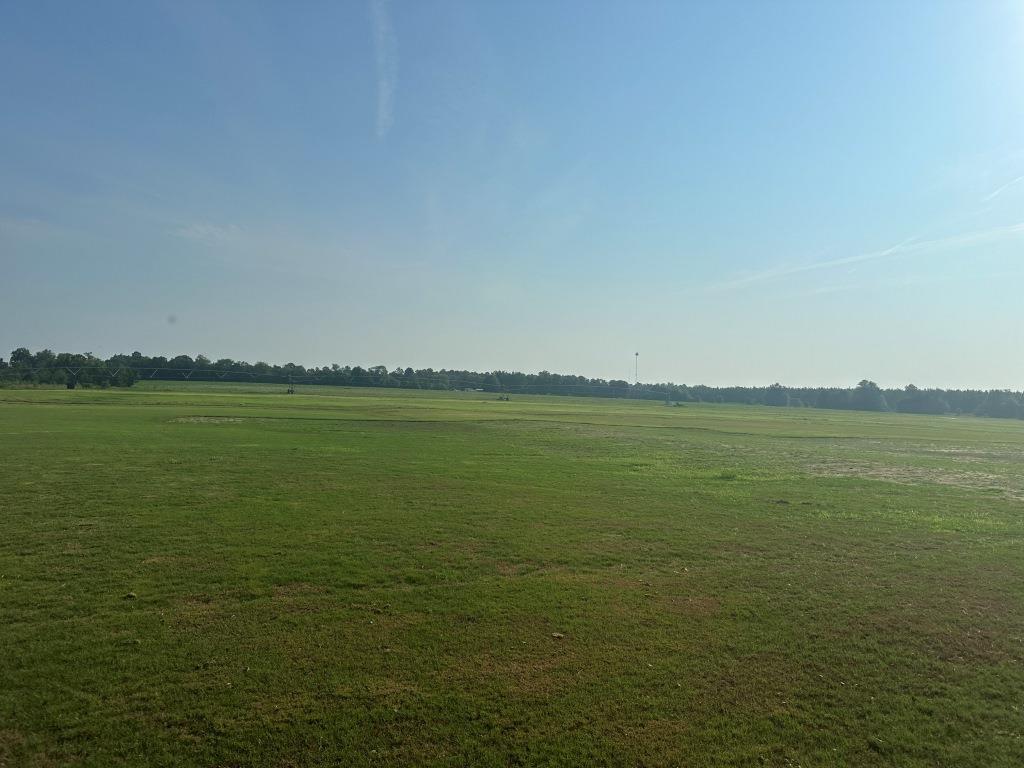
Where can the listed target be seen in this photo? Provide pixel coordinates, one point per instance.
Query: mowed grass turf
(229, 576)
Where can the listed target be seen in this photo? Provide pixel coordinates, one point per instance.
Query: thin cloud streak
(910, 246)
(385, 46)
(990, 197)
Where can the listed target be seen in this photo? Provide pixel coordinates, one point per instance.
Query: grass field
(220, 575)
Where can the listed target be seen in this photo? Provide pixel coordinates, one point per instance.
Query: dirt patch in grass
(537, 675)
(511, 570)
(996, 452)
(17, 749)
(536, 662)
(300, 597)
(960, 642)
(207, 420)
(693, 605)
(198, 612)
(297, 589)
(911, 475)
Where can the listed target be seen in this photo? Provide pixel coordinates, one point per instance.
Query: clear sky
(743, 193)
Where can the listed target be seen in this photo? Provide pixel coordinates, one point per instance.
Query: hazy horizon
(747, 193)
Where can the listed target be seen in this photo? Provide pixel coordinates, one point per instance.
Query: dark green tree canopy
(47, 368)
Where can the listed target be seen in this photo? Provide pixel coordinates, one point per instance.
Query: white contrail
(990, 197)
(907, 247)
(385, 46)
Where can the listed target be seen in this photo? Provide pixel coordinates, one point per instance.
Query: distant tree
(409, 379)
(914, 400)
(378, 375)
(838, 399)
(47, 367)
(182, 362)
(868, 397)
(21, 358)
(999, 404)
(124, 377)
(618, 387)
(44, 358)
(776, 395)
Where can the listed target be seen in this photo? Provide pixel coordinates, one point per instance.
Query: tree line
(67, 369)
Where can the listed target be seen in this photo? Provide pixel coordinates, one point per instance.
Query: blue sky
(810, 193)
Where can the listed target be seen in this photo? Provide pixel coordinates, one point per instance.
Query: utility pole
(636, 368)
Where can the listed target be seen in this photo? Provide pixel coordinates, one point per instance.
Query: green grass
(223, 575)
